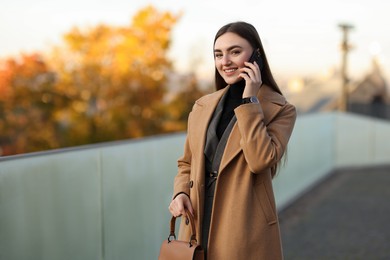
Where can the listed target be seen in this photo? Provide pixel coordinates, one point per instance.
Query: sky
(301, 38)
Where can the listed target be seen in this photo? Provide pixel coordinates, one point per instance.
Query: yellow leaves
(104, 83)
(149, 25)
(151, 17)
(117, 74)
(157, 75)
(79, 106)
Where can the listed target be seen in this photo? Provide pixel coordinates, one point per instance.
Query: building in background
(368, 96)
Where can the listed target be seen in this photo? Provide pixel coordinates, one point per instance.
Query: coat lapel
(201, 116)
(212, 140)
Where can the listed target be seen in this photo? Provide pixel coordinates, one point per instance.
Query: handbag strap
(190, 217)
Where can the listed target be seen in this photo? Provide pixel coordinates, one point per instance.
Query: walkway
(347, 216)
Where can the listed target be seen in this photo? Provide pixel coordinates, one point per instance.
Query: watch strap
(252, 99)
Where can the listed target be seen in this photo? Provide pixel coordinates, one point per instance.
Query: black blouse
(233, 100)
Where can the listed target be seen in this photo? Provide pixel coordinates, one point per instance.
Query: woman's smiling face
(230, 53)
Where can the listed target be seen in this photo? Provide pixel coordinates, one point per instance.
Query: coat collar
(270, 101)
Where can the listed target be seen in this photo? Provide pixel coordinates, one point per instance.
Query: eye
(236, 52)
(218, 55)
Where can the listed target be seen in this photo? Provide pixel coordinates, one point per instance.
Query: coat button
(191, 184)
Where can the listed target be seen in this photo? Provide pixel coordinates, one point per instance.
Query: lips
(230, 71)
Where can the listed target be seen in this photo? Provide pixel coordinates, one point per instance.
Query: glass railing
(110, 201)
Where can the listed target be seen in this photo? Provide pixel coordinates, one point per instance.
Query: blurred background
(94, 99)
(81, 72)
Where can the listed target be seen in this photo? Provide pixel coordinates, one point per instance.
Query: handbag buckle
(193, 238)
(169, 237)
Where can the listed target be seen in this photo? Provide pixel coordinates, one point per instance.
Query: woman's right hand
(179, 204)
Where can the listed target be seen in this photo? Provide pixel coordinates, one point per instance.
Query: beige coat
(244, 223)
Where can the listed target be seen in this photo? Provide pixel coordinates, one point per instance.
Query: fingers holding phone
(251, 73)
(256, 57)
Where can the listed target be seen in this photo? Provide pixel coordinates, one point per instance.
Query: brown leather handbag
(172, 249)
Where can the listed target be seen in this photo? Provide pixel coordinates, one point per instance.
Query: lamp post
(345, 47)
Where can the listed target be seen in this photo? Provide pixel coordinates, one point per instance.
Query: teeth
(230, 70)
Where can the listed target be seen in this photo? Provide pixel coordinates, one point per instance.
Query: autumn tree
(116, 78)
(27, 100)
(103, 83)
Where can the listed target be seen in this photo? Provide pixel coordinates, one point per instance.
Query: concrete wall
(110, 201)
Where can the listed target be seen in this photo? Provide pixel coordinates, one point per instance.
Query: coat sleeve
(264, 145)
(181, 182)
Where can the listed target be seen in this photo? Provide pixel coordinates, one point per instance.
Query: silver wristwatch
(252, 99)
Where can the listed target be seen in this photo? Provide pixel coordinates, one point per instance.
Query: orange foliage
(26, 83)
(14, 72)
(103, 83)
(116, 76)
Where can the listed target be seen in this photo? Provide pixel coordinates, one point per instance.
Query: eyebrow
(230, 48)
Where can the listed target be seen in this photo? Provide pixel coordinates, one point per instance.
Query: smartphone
(257, 57)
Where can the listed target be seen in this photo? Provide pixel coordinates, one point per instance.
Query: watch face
(254, 100)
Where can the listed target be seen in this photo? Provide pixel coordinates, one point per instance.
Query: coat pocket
(265, 203)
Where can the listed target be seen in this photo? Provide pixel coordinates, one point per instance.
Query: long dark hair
(249, 33)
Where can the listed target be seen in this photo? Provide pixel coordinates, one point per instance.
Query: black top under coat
(233, 100)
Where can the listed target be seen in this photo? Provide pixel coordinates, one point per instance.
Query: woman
(236, 138)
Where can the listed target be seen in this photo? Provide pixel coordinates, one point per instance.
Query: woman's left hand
(252, 76)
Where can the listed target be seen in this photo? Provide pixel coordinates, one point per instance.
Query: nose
(226, 60)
